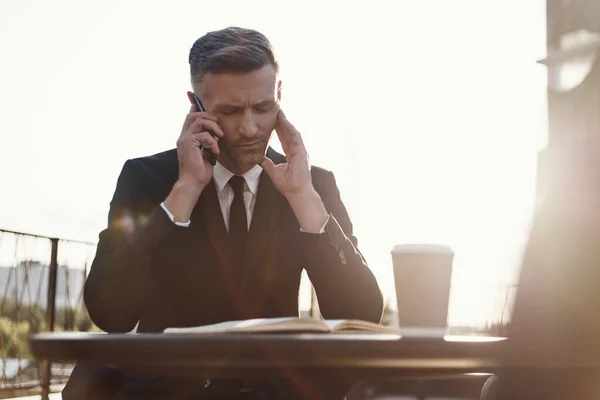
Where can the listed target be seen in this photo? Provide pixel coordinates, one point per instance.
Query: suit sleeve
(120, 278)
(345, 286)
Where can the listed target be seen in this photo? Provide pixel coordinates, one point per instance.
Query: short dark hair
(230, 50)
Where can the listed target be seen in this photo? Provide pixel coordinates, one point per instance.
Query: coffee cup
(422, 276)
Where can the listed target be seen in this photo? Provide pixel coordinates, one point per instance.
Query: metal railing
(41, 289)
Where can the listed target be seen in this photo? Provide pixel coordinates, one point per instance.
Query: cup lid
(420, 248)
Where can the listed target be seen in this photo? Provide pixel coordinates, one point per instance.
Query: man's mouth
(250, 145)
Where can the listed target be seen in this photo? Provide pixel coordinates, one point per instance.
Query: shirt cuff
(322, 228)
(183, 224)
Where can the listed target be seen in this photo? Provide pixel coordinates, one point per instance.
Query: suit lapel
(267, 210)
(264, 219)
(208, 209)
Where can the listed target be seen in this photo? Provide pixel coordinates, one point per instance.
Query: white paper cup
(422, 275)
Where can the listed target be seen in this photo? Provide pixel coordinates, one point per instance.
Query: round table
(328, 363)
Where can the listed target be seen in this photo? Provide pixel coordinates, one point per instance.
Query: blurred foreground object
(573, 88)
(556, 315)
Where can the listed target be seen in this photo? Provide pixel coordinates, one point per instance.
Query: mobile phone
(212, 157)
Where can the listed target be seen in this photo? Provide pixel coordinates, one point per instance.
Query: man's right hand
(194, 166)
(195, 170)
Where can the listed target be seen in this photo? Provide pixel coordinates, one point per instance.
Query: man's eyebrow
(267, 102)
(227, 106)
(230, 106)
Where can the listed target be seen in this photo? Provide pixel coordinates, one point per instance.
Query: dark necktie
(238, 223)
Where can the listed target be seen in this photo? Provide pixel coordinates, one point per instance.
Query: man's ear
(279, 91)
(190, 96)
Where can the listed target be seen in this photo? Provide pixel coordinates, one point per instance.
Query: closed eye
(229, 110)
(264, 106)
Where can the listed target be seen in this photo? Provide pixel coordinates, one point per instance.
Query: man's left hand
(293, 179)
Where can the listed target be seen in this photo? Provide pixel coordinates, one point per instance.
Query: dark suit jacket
(150, 270)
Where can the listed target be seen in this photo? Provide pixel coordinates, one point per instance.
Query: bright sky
(429, 112)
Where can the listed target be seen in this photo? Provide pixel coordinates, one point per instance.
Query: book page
(341, 325)
(286, 324)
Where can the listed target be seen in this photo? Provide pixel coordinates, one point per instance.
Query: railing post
(50, 315)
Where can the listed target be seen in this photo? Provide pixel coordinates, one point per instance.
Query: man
(189, 243)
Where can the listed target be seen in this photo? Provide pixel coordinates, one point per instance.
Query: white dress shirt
(221, 176)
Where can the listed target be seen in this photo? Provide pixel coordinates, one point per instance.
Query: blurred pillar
(573, 42)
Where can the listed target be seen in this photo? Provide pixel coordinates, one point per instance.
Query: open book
(288, 325)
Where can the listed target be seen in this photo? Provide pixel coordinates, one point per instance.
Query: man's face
(246, 105)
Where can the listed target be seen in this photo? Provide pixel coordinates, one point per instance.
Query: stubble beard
(254, 157)
(246, 158)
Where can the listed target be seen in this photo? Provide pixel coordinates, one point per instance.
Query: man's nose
(248, 126)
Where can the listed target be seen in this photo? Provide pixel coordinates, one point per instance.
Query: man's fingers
(187, 121)
(283, 124)
(207, 138)
(194, 115)
(287, 133)
(267, 165)
(198, 139)
(281, 116)
(201, 125)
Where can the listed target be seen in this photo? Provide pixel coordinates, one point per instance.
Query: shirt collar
(221, 176)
